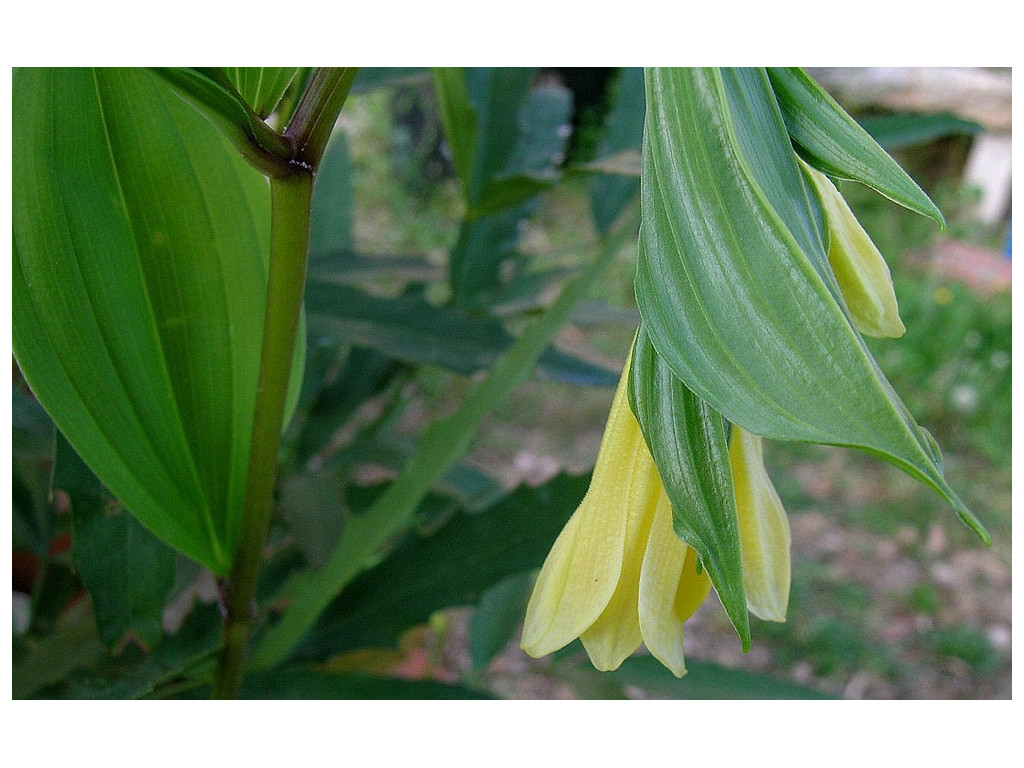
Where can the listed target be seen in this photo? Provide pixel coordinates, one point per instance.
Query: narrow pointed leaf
(687, 439)
(735, 291)
(458, 117)
(261, 87)
(835, 144)
(141, 242)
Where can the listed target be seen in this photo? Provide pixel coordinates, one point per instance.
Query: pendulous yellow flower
(859, 267)
(618, 576)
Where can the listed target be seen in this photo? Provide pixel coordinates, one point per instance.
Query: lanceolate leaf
(731, 282)
(141, 241)
(832, 142)
(261, 87)
(687, 439)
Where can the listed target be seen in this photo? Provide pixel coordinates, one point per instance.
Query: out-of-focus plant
(219, 361)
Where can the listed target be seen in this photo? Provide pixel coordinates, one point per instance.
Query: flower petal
(616, 633)
(859, 267)
(764, 529)
(582, 569)
(671, 590)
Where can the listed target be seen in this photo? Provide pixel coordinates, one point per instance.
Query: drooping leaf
(835, 144)
(127, 570)
(687, 439)
(734, 286)
(141, 241)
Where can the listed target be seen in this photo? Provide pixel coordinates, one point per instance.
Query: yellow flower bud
(859, 267)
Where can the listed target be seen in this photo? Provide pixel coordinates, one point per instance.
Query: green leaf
(897, 131)
(833, 142)
(498, 96)
(411, 329)
(623, 132)
(705, 680)
(733, 283)
(211, 93)
(519, 138)
(498, 617)
(261, 87)
(371, 78)
(688, 442)
(141, 244)
(127, 570)
(182, 660)
(452, 567)
(458, 115)
(332, 218)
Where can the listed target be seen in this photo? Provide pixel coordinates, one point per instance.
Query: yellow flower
(764, 529)
(860, 269)
(618, 576)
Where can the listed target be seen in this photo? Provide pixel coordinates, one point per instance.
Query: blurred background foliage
(409, 299)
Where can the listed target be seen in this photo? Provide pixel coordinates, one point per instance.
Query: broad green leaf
(623, 132)
(687, 439)
(141, 241)
(733, 284)
(833, 143)
(411, 329)
(451, 567)
(127, 570)
(261, 87)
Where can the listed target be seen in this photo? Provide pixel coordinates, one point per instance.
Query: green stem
(291, 201)
(443, 443)
(313, 120)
